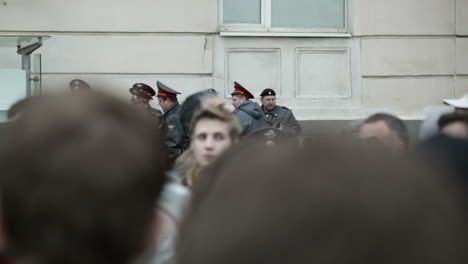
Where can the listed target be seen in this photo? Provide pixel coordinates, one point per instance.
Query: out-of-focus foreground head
(454, 125)
(386, 129)
(331, 204)
(79, 86)
(79, 181)
(14, 113)
(195, 102)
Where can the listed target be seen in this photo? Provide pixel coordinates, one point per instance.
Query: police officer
(141, 96)
(279, 116)
(249, 113)
(171, 124)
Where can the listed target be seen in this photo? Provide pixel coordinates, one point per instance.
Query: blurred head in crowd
(385, 129)
(195, 102)
(206, 98)
(79, 86)
(88, 191)
(16, 110)
(340, 204)
(214, 129)
(454, 125)
(429, 126)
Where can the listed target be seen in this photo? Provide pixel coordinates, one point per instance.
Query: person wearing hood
(250, 114)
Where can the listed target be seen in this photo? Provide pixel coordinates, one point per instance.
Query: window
(284, 15)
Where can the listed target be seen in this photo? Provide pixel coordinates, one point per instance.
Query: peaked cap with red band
(239, 89)
(142, 91)
(164, 90)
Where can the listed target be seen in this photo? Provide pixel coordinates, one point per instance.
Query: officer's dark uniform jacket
(173, 130)
(250, 117)
(282, 116)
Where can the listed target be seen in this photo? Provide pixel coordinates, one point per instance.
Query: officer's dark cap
(164, 90)
(239, 89)
(143, 90)
(268, 92)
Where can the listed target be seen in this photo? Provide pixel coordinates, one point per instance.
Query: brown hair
(447, 119)
(79, 181)
(335, 203)
(218, 113)
(239, 95)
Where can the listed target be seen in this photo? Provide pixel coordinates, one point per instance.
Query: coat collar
(171, 108)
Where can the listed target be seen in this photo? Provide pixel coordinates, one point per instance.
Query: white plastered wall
(414, 53)
(116, 43)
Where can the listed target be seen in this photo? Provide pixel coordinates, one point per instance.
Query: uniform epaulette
(286, 108)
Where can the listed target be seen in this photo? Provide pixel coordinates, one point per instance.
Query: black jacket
(173, 130)
(282, 116)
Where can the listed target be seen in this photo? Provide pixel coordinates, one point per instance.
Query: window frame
(265, 28)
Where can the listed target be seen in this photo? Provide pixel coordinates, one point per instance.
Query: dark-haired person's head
(385, 129)
(79, 181)
(165, 102)
(195, 102)
(15, 111)
(454, 125)
(339, 204)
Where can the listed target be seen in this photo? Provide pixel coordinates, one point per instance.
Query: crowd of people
(89, 178)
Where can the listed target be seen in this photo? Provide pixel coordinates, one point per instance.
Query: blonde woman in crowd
(214, 129)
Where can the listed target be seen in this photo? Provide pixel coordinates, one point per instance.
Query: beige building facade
(349, 58)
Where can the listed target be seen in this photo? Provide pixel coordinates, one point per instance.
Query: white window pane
(3, 117)
(308, 13)
(242, 11)
(12, 87)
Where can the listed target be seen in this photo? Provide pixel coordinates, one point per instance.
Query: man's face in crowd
(164, 104)
(379, 132)
(269, 102)
(237, 100)
(209, 140)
